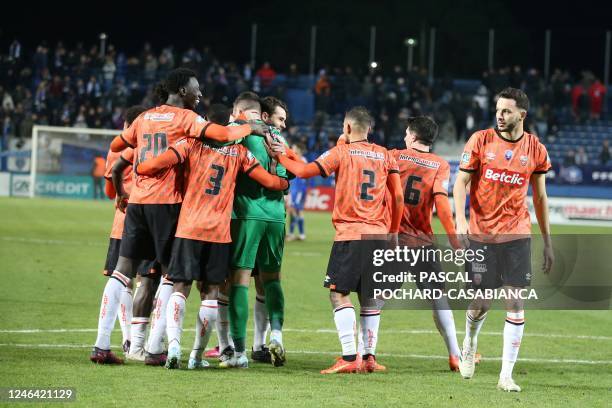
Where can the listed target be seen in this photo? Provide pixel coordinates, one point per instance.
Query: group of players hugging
(202, 199)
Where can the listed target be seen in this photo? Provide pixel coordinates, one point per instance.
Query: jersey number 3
(216, 180)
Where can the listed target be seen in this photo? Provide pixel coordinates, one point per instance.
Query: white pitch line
(52, 241)
(290, 330)
(333, 353)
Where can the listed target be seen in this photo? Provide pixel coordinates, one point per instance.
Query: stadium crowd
(84, 87)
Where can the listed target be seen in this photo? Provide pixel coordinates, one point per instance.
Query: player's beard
(509, 127)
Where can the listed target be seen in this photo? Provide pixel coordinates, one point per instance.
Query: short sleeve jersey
(423, 175)
(501, 170)
(207, 205)
(111, 159)
(150, 135)
(361, 170)
(253, 201)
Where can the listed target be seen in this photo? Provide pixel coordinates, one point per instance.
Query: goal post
(62, 160)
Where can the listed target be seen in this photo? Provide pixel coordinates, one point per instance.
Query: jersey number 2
(216, 180)
(371, 183)
(156, 142)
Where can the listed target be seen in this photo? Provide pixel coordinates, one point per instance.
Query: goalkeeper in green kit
(258, 234)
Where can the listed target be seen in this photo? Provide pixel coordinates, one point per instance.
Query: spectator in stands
(108, 71)
(581, 157)
(322, 92)
(597, 94)
(579, 102)
(97, 174)
(604, 154)
(266, 75)
(570, 158)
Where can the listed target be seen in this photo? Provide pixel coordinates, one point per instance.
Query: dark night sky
(577, 31)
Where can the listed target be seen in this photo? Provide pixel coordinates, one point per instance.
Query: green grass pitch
(52, 253)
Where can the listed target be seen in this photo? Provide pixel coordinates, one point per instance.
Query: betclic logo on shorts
(505, 176)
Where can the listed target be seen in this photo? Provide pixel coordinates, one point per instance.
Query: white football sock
(445, 322)
(138, 333)
(472, 328)
(158, 321)
(109, 307)
(175, 312)
(369, 322)
(223, 323)
(205, 322)
(125, 313)
(513, 333)
(261, 322)
(344, 317)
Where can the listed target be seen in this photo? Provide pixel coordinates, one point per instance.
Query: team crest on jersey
(508, 154)
(523, 160)
(465, 158)
(490, 156)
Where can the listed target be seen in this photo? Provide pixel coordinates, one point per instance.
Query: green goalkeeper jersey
(252, 201)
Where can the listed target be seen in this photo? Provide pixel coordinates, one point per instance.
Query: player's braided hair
(176, 79)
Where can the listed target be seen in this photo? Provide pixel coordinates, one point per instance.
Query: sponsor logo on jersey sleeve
(200, 119)
(465, 157)
(445, 185)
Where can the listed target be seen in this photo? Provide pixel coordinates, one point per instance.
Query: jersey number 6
(412, 195)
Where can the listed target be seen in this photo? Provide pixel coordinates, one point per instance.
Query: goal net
(63, 162)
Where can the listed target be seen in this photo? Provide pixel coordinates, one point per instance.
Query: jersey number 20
(156, 143)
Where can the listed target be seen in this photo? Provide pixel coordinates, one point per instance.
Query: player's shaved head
(132, 113)
(218, 113)
(247, 101)
(359, 119)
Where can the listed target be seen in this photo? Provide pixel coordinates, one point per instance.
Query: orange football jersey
(111, 159)
(501, 170)
(423, 175)
(150, 135)
(361, 170)
(206, 211)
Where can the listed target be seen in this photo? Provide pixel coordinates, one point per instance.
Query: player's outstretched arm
(153, 166)
(446, 218)
(224, 134)
(299, 168)
(540, 205)
(268, 180)
(119, 144)
(394, 185)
